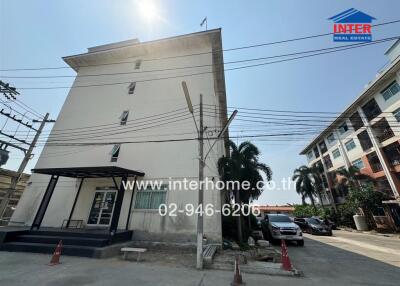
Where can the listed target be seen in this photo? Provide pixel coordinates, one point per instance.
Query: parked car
(313, 226)
(279, 226)
(326, 221)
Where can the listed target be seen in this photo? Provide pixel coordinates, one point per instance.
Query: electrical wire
(204, 53)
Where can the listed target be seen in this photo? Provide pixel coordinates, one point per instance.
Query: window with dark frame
(392, 153)
(115, 152)
(328, 162)
(316, 153)
(350, 145)
(131, 88)
(138, 63)
(343, 128)
(382, 129)
(371, 109)
(331, 138)
(396, 114)
(365, 141)
(374, 162)
(322, 146)
(359, 164)
(336, 153)
(391, 90)
(124, 117)
(356, 121)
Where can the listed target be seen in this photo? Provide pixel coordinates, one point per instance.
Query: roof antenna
(204, 22)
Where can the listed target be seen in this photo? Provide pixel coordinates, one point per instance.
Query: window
(343, 128)
(396, 114)
(374, 162)
(336, 153)
(328, 161)
(115, 152)
(331, 138)
(365, 141)
(358, 164)
(391, 90)
(382, 130)
(124, 117)
(322, 146)
(151, 198)
(392, 153)
(309, 155)
(316, 153)
(350, 145)
(356, 121)
(138, 63)
(132, 88)
(371, 109)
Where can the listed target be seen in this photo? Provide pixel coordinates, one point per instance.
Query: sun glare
(148, 10)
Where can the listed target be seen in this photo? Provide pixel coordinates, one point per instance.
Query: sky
(38, 33)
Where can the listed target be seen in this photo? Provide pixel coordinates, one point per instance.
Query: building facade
(366, 135)
(126, 109)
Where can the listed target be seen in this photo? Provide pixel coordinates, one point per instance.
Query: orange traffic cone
(286, 264)
(237, 276)
(56, 255)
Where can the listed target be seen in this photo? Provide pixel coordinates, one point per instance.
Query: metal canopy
(89, 172)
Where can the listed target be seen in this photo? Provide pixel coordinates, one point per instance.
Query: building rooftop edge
(133, 42)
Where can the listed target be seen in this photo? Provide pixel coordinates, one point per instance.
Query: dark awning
(89, 172)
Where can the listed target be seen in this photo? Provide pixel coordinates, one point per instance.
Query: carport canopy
(84, 173)
(89, 172)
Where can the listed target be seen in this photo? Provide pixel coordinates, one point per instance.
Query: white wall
(103, 105)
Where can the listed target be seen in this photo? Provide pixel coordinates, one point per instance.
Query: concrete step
(72, 250)
(66, 240)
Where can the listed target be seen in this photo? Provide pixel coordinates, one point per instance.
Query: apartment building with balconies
(366, 135)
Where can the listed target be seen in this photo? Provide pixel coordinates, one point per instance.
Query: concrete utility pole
(27, 157)
(200, 230)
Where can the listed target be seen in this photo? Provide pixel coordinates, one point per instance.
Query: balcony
(392, 153)
(356, 121)
(323, 147)
(371, 109)
(382, 130)
(365, 141)
(328, 162)
(374, 162)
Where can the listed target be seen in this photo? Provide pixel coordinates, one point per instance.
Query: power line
(197, 66)
(207, 72)
(203, 53)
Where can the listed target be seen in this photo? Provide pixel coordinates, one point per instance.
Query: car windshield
(313, 221)
(279, 218)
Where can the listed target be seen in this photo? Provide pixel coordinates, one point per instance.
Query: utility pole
(27, 157)
(202, 158)
(200, 230)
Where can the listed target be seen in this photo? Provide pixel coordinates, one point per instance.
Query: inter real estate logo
(352, 26)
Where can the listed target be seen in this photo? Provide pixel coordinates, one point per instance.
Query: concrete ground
(345, 259)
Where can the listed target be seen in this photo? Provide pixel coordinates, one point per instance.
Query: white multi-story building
(366, 135)
(126, 98)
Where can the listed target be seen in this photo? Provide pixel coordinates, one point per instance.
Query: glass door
(102, 208)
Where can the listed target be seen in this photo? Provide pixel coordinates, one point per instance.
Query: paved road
(349, 259)
(325, 261)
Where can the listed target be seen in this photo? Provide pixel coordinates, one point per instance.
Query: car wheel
(300, 243)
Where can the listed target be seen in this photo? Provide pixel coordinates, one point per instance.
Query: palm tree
(350, 178)
(305, 184)
(317, 171)
(241, 165)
